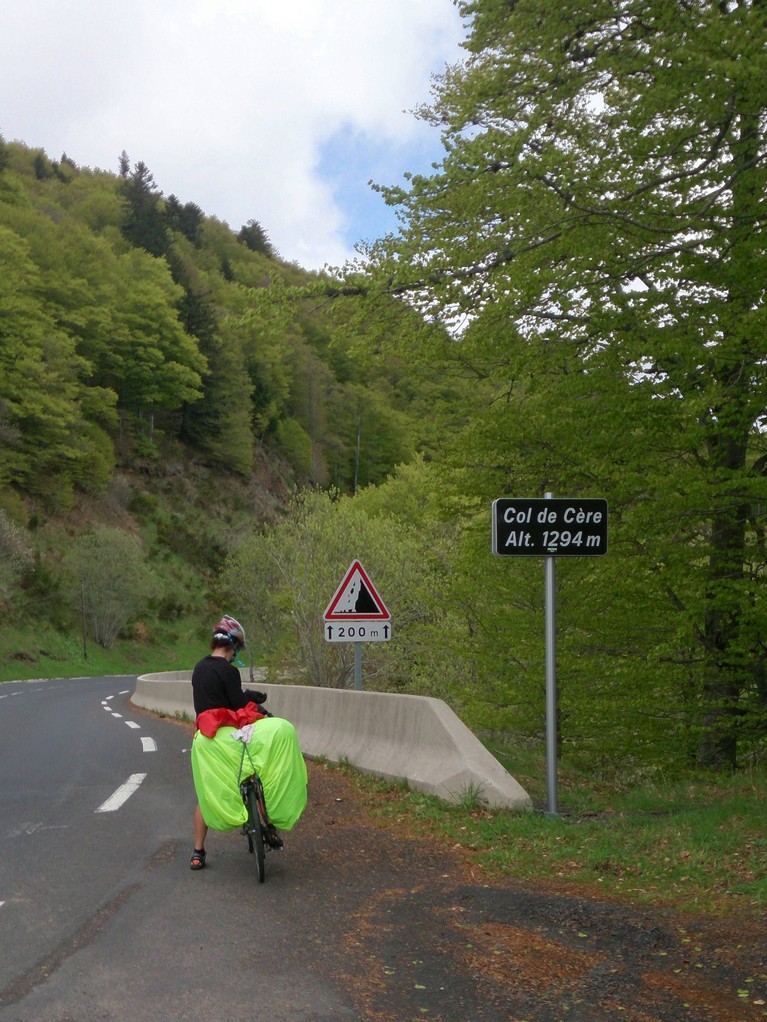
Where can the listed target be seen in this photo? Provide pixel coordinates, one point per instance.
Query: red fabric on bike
(209, 721)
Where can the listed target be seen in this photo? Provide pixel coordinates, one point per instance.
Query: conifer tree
(145, 224)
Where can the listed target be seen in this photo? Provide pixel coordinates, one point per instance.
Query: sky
(279, 111)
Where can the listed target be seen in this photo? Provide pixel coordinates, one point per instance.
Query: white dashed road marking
(122, 794)
(125, 791)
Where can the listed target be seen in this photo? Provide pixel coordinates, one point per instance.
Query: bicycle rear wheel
(255, 831)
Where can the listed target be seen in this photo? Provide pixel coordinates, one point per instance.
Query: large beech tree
(595, 241)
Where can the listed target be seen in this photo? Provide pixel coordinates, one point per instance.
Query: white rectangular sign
(357, 631)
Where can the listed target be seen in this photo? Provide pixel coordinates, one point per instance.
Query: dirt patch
(423, 933)
(21, 657)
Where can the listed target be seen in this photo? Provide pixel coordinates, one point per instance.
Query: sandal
(198, 859)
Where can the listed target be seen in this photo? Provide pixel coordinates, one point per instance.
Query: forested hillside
(123, 324)
(146, 396)
(575, 304)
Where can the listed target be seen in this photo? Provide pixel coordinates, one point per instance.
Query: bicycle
(259, 830)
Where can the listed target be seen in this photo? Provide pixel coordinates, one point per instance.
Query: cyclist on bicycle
(216, 684)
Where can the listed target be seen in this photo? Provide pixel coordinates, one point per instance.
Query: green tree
(286, 575)
(156, 364)
(254, 237)
(594, 240)
(43, 405)
(187, 219)
(16, 556)
(112, 582)
(43, 167)
(145, 225)
(221, 422)
(265, 359)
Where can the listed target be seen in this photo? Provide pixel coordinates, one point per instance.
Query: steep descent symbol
(356, 599)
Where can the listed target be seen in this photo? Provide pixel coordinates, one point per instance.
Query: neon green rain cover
(272, 751)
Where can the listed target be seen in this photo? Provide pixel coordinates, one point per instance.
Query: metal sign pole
(550, 528)
(551, 685)
(358, 665)
(551, 680)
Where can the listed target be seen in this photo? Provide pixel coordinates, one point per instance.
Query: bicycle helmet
(229, 630)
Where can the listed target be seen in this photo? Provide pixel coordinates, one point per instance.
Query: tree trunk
(726, 661)
(723, 657)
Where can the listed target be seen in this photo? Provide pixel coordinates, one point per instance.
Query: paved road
(102, 920)
(101, 917)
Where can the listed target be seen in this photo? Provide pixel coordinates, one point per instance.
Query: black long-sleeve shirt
(216, 684)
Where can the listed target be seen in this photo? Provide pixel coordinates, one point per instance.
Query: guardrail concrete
(413, 738)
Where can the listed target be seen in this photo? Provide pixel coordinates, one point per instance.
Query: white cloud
(236, 106)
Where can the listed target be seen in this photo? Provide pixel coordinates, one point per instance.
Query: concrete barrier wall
(412, 738)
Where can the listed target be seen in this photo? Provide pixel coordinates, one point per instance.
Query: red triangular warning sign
(356, 599)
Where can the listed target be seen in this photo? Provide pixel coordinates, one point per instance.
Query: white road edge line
(122, 794)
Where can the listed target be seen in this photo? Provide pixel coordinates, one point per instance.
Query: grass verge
(46, 653)
(697, 845)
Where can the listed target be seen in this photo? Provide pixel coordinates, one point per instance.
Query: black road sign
(549, 526)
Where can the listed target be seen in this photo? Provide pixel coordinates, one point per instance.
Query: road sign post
(356, 614)
(550, 527)
(550, 570)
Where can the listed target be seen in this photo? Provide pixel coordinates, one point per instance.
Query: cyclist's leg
(200, 833)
